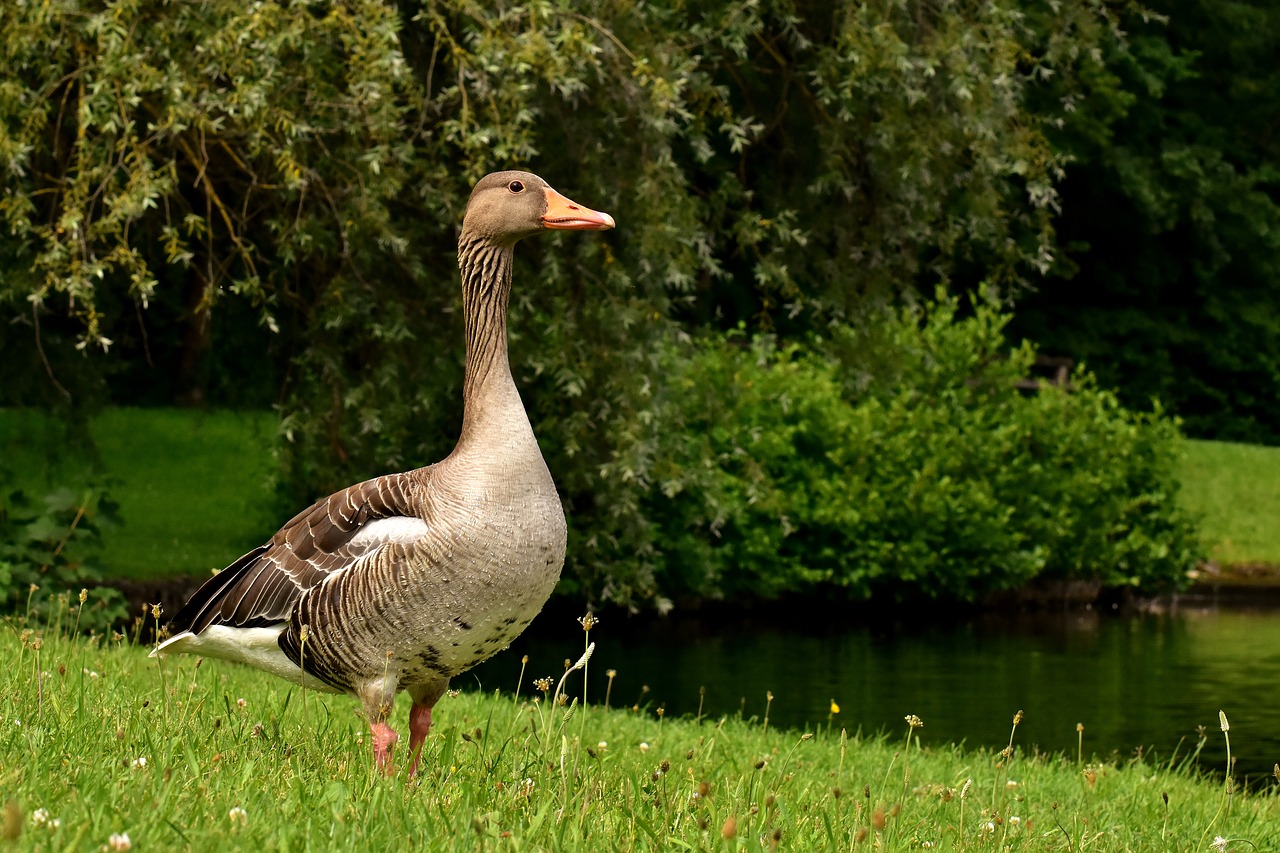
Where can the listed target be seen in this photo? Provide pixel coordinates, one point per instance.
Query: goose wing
(261, 587)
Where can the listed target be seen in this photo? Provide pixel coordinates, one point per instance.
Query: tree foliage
(258, 201)
(1171, 222)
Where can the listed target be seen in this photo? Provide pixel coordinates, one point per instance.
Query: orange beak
(565, 214)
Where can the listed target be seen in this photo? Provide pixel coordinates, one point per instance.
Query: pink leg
(419, 725)
(384, 738)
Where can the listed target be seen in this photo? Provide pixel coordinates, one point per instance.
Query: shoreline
(1248, 587)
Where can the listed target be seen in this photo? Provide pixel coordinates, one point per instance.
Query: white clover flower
(139, 763)
(1012, 783)
(1220, 843)
(604, 744)
(40, 817)
(238, 815)
(240, 703)
(644, 747)
(119, 841)
(1014, 820)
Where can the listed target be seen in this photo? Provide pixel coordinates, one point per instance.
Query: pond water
(1143, 681)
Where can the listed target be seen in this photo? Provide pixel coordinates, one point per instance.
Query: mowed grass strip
(194, 488)
(1234, 491)
(98, 740)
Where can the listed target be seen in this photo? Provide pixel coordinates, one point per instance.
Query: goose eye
(516, 187)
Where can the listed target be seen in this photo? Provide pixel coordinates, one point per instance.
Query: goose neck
(486, 292)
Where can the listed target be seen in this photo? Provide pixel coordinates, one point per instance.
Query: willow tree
(259, 201)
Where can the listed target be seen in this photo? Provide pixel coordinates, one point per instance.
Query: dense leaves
(48, 550)
(255, 202)
(1172, 222)
(929, 473)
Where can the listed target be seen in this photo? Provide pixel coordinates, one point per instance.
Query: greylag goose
(404, 581)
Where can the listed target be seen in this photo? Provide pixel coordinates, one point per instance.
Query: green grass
(194, 488)
(106, 741)
(1234, 489)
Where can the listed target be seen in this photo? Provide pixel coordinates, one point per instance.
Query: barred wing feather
(333, 534)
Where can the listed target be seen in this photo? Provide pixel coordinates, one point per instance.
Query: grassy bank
(1235, 491)
(96, 739)
(194, 488)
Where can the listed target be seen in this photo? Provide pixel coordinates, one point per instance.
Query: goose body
(406, 580)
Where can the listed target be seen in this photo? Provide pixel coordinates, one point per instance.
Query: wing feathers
(330, 536)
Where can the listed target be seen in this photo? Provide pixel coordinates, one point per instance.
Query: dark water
(1144, 681)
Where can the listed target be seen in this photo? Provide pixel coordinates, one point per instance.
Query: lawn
(1234, 489)
(195, 488)
(97, 740)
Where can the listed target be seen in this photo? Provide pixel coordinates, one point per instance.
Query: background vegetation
(255, 205)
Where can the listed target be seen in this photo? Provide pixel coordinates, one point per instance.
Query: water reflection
(1133, 682)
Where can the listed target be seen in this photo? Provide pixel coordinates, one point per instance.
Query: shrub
(48, 551)
(925, 472)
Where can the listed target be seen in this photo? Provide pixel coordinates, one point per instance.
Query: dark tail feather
(200, 609)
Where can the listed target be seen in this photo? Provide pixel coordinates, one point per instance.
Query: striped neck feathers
(486, 293)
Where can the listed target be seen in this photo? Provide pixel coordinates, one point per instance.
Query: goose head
(508, 206)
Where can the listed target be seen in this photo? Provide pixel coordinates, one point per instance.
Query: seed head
(1222, 721)
(964, 790)
(84, 596)
(1017, 718)
(543, 684)
(156, 610)
(1079, 727)
(588, 622)
(913, 721)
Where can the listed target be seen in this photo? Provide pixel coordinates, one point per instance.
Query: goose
(406, 580)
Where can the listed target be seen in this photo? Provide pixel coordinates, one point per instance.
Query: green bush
(926, 472)
(48, 551)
